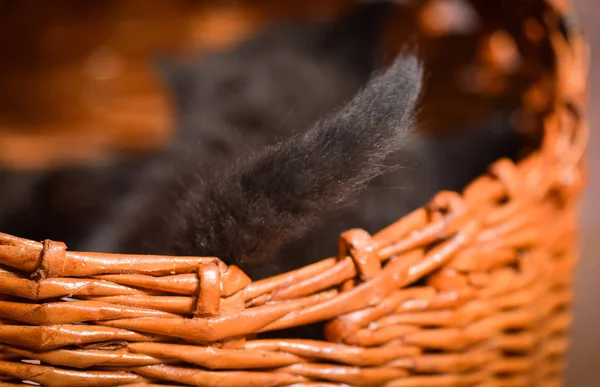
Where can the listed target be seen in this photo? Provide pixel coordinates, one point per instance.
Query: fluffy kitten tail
(245, 213)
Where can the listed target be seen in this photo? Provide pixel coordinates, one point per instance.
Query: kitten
(245, 209)
(275, 84)
(260, 191)
(261, 91)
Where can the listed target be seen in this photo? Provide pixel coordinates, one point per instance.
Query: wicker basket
(473, 290)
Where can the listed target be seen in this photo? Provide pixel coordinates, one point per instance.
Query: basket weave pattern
(494, 267)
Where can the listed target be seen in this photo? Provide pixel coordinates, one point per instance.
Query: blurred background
(78, 86)
(584, 367)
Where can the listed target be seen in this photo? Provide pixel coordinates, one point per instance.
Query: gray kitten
(260, 185)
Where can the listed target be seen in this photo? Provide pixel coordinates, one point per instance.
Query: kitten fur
(244, 211)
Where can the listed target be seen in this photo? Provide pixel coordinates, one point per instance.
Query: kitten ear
(177, 77)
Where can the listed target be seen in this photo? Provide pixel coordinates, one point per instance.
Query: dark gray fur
(246, 210)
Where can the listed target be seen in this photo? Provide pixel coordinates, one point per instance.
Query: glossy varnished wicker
(473, 290)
